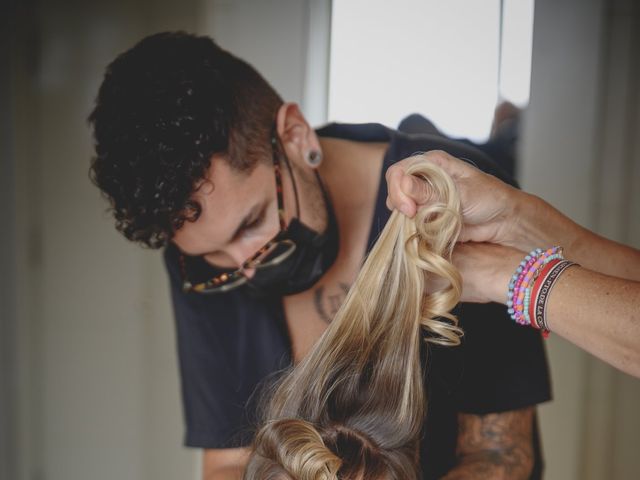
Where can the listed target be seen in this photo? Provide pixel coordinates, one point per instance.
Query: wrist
(526, 228)
(505, 267)
(537, 224)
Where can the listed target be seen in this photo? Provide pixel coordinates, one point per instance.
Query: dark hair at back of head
(163, 109)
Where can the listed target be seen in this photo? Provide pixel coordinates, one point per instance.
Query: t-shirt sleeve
(504, 365)
(228, 345)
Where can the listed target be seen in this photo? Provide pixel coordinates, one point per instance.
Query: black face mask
(314, 254)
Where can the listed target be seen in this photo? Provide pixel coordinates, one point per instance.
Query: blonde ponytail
(296, 446)
(354, 407)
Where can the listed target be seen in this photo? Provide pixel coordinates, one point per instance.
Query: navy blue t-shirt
(230, 344)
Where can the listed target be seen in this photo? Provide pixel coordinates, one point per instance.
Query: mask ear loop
(276, 161)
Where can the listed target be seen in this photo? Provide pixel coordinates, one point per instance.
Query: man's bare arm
(494, 446)
(224, 464)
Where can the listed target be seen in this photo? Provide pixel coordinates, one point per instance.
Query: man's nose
(249, 272)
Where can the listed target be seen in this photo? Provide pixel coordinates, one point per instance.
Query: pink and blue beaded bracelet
(521, 285)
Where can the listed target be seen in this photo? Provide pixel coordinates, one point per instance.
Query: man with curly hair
(264, 223)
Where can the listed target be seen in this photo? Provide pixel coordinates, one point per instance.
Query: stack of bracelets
(531, 284)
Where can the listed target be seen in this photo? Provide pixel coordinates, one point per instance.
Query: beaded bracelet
(552, 256)
(530, 285)
(518, 297)
(516, 282)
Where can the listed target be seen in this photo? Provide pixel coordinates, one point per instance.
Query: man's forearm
(494, 446)
(223, 474)
(513, 465)
(224, 464)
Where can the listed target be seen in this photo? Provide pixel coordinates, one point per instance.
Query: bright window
(443, 59)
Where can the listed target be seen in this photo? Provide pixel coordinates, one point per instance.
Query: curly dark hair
(163, 109)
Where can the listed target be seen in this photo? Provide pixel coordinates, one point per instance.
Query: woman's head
(294, 449)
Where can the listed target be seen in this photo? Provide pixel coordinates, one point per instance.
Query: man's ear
(296, 135)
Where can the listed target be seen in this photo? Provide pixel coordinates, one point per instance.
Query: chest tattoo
(328, 303)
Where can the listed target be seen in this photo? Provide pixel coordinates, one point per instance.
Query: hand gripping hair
(354, 407)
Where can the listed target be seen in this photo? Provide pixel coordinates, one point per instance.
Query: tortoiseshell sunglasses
(274, 252)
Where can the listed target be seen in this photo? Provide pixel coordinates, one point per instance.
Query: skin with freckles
(597, 312)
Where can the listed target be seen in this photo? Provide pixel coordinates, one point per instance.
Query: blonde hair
(354, 407)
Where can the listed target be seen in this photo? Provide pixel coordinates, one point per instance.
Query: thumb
(416, 189)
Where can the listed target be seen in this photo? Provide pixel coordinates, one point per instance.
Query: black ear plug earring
(313, 158)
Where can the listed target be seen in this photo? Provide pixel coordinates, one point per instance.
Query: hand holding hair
(487, 202)
(495, 212)
(594, 305)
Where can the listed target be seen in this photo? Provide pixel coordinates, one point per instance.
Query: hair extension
(353, 408)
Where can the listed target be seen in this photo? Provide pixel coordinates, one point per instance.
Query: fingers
(486, 270)
(406, 192)
(484, 233)
(397, 198)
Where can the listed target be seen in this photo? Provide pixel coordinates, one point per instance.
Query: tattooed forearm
(328, 304)
(494, 446)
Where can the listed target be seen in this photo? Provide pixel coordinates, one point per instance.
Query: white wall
(8, 328)
(435, 58)
(102, 389)
(580, 152)
(98, 391)
(285, 40)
